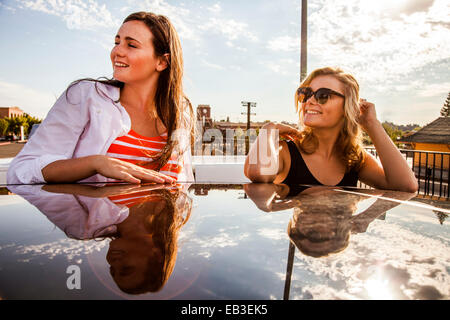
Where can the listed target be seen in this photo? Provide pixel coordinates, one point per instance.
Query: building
(434, 137)
(8, 112)
(204, 115)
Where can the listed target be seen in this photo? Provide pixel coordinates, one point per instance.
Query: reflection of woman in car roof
(143, 251)
(323, 217)
(319, 228)
(143, 223)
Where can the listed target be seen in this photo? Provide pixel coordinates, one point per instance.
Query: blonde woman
(134, 127)
(328, 149)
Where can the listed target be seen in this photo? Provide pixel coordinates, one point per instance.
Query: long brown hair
(172, 106)
(164, 228)
(349, 142)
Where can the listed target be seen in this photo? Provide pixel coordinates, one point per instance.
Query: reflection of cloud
(272, 234)
(385, 258)
(221, 240)
(71, 249)
(205, 245)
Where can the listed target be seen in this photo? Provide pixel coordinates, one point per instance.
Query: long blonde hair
(349, 142)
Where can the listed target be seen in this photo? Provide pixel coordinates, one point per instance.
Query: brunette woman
(134, 127)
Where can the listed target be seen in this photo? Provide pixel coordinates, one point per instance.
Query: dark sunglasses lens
(304, 94)
(322, 96)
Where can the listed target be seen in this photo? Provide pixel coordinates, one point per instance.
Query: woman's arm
(48, 155)
(267, 157)
(265, 194)
(72, 170)
(394, 172)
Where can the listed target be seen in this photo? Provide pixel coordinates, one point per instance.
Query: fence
(431, 169)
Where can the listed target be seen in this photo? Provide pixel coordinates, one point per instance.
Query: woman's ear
(163, 62)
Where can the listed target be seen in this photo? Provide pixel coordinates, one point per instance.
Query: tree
(31, 121)
(445, 111)
(11, 125)
(392, 132)
(4, 126)
(15, 123)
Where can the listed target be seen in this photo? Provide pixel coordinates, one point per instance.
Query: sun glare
(378, 288)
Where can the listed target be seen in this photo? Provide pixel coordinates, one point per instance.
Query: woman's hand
(367, 114)
(284, 130)
(128, 172)
(103, 191)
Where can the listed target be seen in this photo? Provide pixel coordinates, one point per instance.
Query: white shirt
(83, 124)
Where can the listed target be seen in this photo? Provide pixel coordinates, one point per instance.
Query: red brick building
(7, 112)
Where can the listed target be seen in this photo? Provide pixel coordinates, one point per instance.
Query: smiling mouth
(312, 112)
(120, 65)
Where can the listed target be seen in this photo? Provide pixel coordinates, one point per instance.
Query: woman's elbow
(254, 175)
(408, 186)
(413, 186)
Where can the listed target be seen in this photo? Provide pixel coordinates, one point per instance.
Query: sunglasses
(321, 95)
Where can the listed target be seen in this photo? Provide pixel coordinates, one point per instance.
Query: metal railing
(431, 169)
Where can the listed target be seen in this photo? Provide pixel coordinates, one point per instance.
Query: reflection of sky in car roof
(229, 249)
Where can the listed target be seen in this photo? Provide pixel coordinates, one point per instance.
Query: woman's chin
(311, 123)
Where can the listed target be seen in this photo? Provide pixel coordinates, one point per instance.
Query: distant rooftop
(437, 132)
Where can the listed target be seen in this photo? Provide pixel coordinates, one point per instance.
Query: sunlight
(378, 288)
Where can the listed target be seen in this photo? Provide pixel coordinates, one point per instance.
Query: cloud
(32, 101)
(212, 65)
(183, 19)
(434, 89)
(78, 14)
(413, 6)
(198, 25)
(284, 43)
(229, 28)
(382, 48)
(216, 8)
(381, 42)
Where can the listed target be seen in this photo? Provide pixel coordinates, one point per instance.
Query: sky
(238, 51)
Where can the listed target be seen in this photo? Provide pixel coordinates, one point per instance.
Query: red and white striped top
(138, 149)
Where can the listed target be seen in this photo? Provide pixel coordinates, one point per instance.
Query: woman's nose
(118, 50)
(311, 99)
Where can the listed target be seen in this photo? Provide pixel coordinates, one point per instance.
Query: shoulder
(91, 88)
(285, 154)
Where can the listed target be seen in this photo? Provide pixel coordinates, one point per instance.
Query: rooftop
(437, 132)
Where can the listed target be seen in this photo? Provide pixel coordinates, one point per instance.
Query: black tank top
(300, 174)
